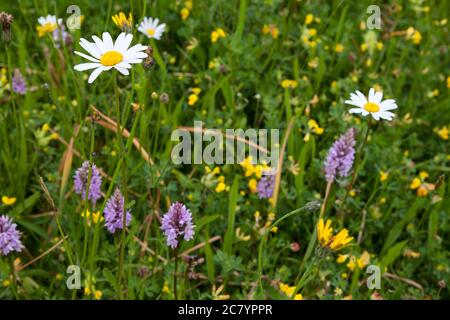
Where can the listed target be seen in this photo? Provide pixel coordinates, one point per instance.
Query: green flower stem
(175, 253)
(264, 240)
(14, 279)
(312, 240)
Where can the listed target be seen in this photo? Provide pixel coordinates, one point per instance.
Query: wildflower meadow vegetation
(96, 204)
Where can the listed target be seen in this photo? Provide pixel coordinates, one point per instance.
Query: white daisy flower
(373, 105)
(47, 24)
(105, 54)
(151, 29)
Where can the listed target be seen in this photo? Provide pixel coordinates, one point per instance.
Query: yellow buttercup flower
(216, 34)
(193, 98)
(341, 258)
(289, 84)
(252, 185)
(383, 175)
(339, 48)
(309, 19)
(415, 183)
(442, 132)
(196, 91)
(184, 13)
(97, 294)
(125, 24)
(8, 201)
(221, 186)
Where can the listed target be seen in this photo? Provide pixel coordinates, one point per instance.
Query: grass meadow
(93, 205)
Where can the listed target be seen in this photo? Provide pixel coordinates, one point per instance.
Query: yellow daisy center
(111, 58)
(151, 32)
(371, 107)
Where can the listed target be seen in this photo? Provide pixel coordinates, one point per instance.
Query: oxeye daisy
(47, 24)
(106, 54)
(372, 105)
(151, 29)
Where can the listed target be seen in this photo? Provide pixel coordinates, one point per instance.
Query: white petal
(376, 116)
(95, 74)
(90, 48)
(371, 95)
(86, 66)
(133, 61)
(123, 71)
(107, 41)
(377, 97)
(388, 105)
(136, 55)
(361, 96)
(386, 115)
(353, 103)
(101, 47)
(124, 64)
(356, 110)
(136, 48)
(86, 56)
(124, 42)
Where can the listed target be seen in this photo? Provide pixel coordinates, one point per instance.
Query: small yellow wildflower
(289, 84)
(165, 288)
(8, 201)
(97, 294)
(184, 13)
(271, 29)
(341, 258)
(442, 132)
(312, 124)
(193, 98)
(6, 283)
(448, 82)
(125, 24)
(312, 32)
(214, 36)
(328, 240)
(420, 185)
(220, 187)
(252, 184)
(363, 47)
(196, 91)
(324, 232)
(339, 47)
(383, 175)
(309, 19)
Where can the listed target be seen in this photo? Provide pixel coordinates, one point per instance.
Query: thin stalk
(14, 279)
(312, 241)
(123, 183)
(175, 252)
